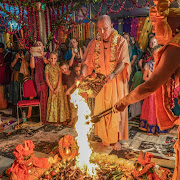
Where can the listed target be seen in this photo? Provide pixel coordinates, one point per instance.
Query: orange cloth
(158, 16)
(145, 160)
(20, 166)
(166, 118)
(113, 127)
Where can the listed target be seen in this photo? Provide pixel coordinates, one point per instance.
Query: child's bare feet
(117, 146)
(64, 123)
(70, 123)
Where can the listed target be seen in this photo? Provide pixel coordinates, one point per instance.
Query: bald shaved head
(104, 26)
(105, 18)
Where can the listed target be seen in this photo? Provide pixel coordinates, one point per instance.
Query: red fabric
(32, 102)
(3, 68)
(29, 89)
(146, 160)
(43, 100)
(20, 167)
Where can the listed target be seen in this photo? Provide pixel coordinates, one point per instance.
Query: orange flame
(83, 129)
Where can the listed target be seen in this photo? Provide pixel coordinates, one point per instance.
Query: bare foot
(102, 144)
(70, 123)
(64, 123)
(117, 146)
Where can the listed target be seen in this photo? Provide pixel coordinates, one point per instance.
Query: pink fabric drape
(134, 24)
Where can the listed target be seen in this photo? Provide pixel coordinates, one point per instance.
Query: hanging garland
(60, 22)
(37, 25)
(46, 21)
(33, 21)
(29, 19)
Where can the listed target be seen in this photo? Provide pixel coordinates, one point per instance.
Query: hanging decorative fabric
(37, 25)
(92, 30)
(141, 21)
(84, 32)
(143, 39)
(134, 24)
(32, 22)
(87, 31)
(77, 34)
(50, 18)
(46, 21)
(127, 25)
(80, 35)
(7, 42)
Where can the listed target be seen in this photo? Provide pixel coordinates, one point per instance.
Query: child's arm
(15, 60)
(68, 92)
(133, 60)
(48, 83)
(81, 54)
(72, 58)
(145, 75)
(59, 82)
(131, 87)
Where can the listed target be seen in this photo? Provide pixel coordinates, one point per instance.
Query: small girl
(57, 106)
(75, 54)
(69, 79)
(148, 119)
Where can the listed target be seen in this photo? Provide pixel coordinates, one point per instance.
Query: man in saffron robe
(167, 69)
(108, 54)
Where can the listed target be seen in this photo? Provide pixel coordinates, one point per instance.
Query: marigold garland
(67, 141)
(113, 51)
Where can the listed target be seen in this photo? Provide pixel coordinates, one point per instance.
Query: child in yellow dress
(57, 106)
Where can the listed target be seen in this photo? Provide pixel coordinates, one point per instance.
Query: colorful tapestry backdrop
(138, 27)
(43, 20)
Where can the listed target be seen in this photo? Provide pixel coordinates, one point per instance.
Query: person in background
(137, 50)
(57, 106)
(135, 109)
(150, 35)
(147, 55)
(61, 50)
(75, 54)
(77, 70)
(68, 79)
(5, 62)
(132, 56)
(86, 42)
(37, 64)
(5, 75)
(20, 70)
(108, 54)
(148, 119)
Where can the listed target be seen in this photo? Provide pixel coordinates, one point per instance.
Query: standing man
(166, 72)
(108, 54)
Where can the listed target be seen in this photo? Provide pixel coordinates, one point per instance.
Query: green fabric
(137, 79)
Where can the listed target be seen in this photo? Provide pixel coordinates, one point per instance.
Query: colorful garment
(135, 109)
(166, 118)
(69, 80)
(42, 88)
(132, 52)
(16, 78)
(103, 58)
(146, 57)
(137, 79)
(148, 119)
(5, 71)
(3, 99)
(68, 56)
(57, 106)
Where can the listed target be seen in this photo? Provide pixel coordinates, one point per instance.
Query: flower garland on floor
(113, 51)
(67, 141)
